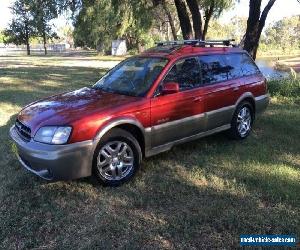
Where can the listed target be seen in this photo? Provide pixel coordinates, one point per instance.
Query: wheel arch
(249, 97)
(131, 125)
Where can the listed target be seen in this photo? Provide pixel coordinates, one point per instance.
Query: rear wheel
(242, 121)
(117, 157)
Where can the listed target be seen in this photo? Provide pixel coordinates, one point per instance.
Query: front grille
(23, 130)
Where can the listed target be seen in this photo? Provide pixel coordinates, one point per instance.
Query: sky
(5, 15)
(281, 8)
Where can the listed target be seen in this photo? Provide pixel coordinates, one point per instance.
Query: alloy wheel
(244, 120)
(115, 160)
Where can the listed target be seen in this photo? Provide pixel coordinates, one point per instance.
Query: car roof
(174, 51)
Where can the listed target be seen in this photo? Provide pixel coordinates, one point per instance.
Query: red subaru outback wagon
(170, 94)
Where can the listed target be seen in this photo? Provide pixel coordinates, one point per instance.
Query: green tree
(213, 9)
(283, 34)
(235, 28)
(66, 34)
(95, 24)
(2, 36)
(70, 5)
(239, 27)
(100, 21)
(21, 28)
(43, 12)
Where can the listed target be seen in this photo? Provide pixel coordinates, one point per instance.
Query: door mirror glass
(170, 88)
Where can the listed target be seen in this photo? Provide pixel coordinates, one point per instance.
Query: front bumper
(55, 162)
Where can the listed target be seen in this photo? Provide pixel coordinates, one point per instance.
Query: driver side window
(186, 73)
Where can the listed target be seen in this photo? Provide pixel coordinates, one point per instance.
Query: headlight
(53, 135)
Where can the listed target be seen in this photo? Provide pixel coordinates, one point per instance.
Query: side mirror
(170, 88)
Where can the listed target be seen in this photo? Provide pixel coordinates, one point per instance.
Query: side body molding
(147, 132)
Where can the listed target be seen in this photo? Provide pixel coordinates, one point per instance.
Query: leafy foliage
(43, 11)
(2, 36)
(22, 26)
(218, 6)
(31, 19)
(66, 34)
(234, 29)
(284, 33)
(289, 88)
(101, 21)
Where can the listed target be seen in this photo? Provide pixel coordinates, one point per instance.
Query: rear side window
(218, 68)
(213, 69)
(240, 65)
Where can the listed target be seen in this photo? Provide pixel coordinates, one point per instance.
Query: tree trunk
(45, 42)
(208, 15)
(255, 25)
(196, 16)
(170, 18)
(27, 38)
(184, 19)
(28, 48)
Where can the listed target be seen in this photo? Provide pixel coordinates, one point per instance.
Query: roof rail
(203, 43)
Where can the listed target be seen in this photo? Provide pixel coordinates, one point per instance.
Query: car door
(218, 89)
(178, 115)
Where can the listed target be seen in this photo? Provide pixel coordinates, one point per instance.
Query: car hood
(65, 108)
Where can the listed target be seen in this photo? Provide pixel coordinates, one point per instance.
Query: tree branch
(208, 14)
(170, 18)
(196, 16)
(265, 13)
(184, 19)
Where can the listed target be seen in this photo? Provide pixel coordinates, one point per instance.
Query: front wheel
(242, 121)
(117, 158)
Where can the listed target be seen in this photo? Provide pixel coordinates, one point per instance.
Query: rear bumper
(55, 162)
(261, 103)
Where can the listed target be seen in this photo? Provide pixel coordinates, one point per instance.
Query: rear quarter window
(240, 64)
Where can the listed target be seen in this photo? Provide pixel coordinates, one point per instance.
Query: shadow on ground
(202, 194)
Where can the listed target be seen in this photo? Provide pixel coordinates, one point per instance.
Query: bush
(288, 87)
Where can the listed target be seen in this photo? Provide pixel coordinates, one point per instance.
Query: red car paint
(88, 110)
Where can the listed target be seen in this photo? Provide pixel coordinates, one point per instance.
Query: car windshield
(133, 76)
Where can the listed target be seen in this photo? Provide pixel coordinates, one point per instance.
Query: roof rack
(199, 42)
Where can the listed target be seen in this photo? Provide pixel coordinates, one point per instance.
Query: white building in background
(61, 47)
(118, 48)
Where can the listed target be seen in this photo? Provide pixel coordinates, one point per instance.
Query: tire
(242, 121)
(117, 158)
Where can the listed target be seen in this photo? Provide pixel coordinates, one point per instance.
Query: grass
(202, 194)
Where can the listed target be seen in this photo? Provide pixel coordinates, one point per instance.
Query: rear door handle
(236, 88)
